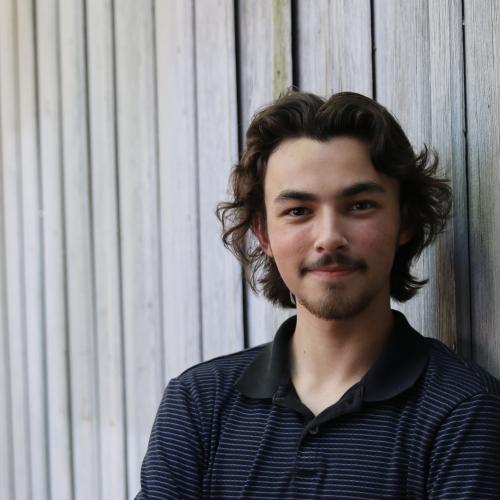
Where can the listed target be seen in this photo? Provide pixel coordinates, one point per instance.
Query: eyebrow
(354, 189)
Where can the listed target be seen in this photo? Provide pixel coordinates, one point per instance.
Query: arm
(465, 459)
(174, 463)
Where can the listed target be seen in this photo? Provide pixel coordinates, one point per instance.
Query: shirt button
(313, 431)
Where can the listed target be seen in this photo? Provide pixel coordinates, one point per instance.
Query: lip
(335, 272)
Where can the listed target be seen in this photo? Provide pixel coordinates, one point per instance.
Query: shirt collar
(396, 370)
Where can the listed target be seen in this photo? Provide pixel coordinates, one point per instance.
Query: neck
(326, 353)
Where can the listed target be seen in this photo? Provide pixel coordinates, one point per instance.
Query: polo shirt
(422, 423)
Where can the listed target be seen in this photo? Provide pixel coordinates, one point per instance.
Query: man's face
(332, 225)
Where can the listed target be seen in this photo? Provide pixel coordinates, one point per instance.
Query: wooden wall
(119, 123)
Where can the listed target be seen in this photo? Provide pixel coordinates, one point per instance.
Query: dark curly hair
(425, 199)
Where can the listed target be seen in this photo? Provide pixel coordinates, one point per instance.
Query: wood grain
(217, 133)
(264, 74)
(178, 184)
(419, 75)
(32, 249)
(334, 46)
(78, 253)
(54, 291)
(13, 246)
(139, 224)
(107, 291)
(6, 452)
(482, 35)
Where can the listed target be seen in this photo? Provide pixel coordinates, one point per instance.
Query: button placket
(307, 465)
(313, 430)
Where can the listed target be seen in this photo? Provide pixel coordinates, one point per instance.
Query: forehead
(323, 168)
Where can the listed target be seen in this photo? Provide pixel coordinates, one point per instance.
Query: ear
(259, 228)
(406, 230)
(405, 235)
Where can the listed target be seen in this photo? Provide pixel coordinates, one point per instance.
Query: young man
(348, 401)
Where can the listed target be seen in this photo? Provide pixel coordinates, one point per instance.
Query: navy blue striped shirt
(422, 423)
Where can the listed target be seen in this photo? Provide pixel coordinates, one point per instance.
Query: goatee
(336, 304)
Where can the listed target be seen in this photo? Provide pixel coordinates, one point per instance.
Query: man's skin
(332, 225)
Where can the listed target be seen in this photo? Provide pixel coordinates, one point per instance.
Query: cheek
(289, 242)
(380, 242)
(378, 236)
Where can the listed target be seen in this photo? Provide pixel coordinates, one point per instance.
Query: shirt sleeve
(174, 463)
(465, 459)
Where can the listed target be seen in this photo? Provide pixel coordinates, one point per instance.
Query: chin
(337, 306)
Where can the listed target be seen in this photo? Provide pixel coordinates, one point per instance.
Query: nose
(330, 233)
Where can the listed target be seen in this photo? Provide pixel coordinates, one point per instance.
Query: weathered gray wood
(482, 35)
(13, 247)
(6, 452)
(107, 284)
(32, 251)
(139, 224)
(334, 46)
(57, 391)
(79, 259)
(221, 282)
(178, 184)
(447, 135)
(420, 79)
(6, 466)
(264, 74)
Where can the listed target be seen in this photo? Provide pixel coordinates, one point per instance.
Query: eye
(359, 206)
(297, 211)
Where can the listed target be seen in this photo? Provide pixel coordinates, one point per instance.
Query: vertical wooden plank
(6, 452)
(217, 131)
(33, 256)
(447, 105)
(264, 74)
(178, 184)
(334, 46)
(58, 408)
(13, 245)
(313, 41)
(78, 232)
(419, 78)
(139, 224)
(107, 284)
(482, 40)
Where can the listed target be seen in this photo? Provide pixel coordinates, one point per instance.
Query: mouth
(335, 266)
(333, 272)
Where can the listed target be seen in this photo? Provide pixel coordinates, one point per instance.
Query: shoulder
(218, 374)
(204, 392)
(451, 380)
(463, 461)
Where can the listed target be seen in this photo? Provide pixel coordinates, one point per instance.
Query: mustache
(336, 259)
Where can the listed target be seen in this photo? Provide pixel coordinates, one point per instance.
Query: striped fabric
(436, 435)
